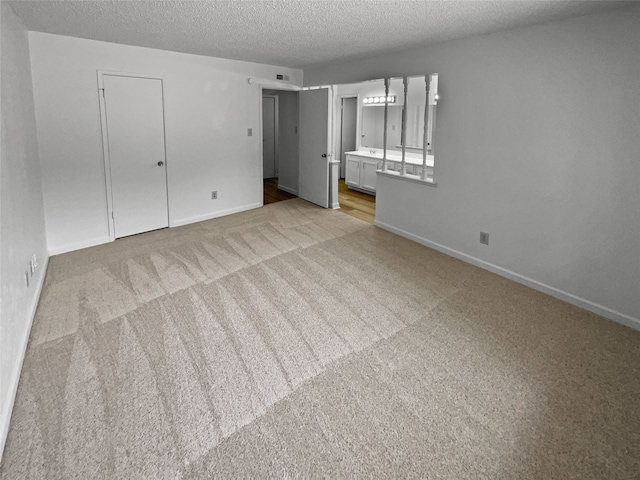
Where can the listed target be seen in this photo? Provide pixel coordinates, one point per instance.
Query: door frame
(276, 133)
(262, 86)
(105, 142)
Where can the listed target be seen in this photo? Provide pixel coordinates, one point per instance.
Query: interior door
(313, 181)
(135, 132)
(268, 137)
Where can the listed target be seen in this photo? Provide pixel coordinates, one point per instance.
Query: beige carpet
(297, 341)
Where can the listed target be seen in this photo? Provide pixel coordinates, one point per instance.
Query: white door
(368, 174)
(268, 137)
(135, 132)
(313, 180)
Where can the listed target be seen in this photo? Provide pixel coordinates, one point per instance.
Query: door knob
(160, 163)
(324, 155)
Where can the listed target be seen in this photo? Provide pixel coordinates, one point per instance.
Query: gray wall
(537, 143)
(22, 228)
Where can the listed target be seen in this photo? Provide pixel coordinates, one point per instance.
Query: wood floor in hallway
(357, 204)
(272, 194)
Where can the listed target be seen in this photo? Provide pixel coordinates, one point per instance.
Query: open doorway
(279, 145)
(358, 204)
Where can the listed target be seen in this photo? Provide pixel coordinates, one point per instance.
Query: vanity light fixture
(378, 100)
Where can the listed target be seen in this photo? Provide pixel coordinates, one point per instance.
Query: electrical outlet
(249, 132)
(214, 195)
(484, 238)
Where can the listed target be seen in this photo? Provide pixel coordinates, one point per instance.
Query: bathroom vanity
(362, 165)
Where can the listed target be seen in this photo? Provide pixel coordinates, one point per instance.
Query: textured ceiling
(292, 33)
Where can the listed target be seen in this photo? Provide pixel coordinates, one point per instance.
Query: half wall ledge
(408, 177)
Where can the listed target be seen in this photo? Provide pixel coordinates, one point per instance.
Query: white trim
(105, 156)
(15, 378)
(79, 246)
(209, 216)
(105, 142)
(408, 177)
(273, 85)
(335, 206)
(260, 142)
(288, 190)
(606, 312)
(125, 74)
(261, 91)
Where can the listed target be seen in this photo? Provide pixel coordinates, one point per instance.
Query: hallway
(356, 204)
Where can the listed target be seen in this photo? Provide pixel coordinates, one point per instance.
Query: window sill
(408, 178)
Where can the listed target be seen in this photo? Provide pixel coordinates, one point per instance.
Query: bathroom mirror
(409, 110)
(372, 114)
(372, 122)
(419, 97)
(416, 99)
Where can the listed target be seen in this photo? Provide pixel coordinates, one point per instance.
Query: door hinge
(102, 90)
(112, 217)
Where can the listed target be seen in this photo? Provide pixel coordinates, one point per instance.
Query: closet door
(135, 134)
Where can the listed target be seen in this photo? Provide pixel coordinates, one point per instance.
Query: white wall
(537, 143)
(209, 105)
(288, 141)
(22, 229)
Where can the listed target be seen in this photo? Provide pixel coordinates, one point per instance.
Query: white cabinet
(361, 169)
(352, 175)
(361, 173)
(368, 174)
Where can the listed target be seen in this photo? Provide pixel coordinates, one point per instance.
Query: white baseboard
(15, 378)
(335, 205)
(209, 216)
(79, 246)
(288, 190)
(601, 310)
(177, 223)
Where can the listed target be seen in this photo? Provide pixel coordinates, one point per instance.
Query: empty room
(320, 238)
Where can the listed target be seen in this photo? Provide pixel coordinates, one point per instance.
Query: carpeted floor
(296, 341)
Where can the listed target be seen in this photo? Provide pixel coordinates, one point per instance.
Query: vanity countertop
(411, 160)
